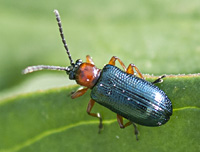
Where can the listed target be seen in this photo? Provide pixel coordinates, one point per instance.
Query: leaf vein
(53, 131)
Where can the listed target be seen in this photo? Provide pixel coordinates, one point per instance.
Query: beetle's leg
(159, 80)
(89, 108)
(136, 130)
(79, 93)
(89, 59)
(120, 122)
(131, 71)
(113, 60)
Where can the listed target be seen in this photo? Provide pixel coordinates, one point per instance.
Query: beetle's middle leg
(89, 108)
(113, 60)
(131, 71)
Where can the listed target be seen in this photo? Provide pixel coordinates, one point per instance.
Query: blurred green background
(158, 36)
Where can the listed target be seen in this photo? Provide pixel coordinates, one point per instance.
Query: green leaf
(52, 121)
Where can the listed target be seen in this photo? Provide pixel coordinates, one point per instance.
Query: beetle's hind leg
(136, 130)
(120, 122)
(159, 80)
(89, 108)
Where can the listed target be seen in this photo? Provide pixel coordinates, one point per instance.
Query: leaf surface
(51, 121)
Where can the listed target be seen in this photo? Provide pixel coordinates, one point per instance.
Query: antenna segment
(31, 69)
(62, 35)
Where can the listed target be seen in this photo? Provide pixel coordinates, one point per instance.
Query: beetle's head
(85, 74)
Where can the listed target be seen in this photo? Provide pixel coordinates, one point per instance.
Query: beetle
(130, 96)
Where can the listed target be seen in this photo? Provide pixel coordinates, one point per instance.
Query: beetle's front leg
(79, 93)
(89, 108)
(89, 60)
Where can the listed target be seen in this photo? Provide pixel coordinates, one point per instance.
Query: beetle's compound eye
(78, 62)
(73, 69)
(71, 75)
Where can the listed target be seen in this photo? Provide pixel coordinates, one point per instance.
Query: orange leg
(79, 93)
(89, 108)
(89, 59)
(113, 60)
(120, 122)
(131, 71)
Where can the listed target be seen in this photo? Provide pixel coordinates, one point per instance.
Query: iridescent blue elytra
(133, 98)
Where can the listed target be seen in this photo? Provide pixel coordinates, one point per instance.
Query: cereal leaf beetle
(128, 95)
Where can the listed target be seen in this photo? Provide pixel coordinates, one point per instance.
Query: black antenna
(62, 35)
(49, 67)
